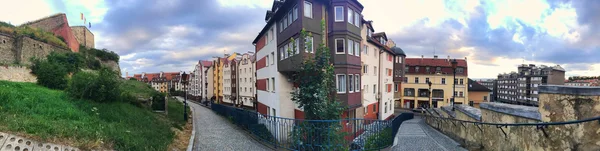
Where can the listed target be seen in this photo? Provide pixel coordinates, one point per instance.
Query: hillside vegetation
(33, 33)
(52, 115)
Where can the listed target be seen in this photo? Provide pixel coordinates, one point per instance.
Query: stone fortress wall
(18, 50)
(557, 104)
(84, 36)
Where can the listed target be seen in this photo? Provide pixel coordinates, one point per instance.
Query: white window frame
(350, 80)
(268, 60)
(357, 48)
(312, 44)
(342, 83)
(350, 47)
(310, 12)
(357, 19)
(335, 17)
(295, 13)
(273, 81)
(297, 49)
(272, 58)
(281, 51)
(366, 69)
(350, 16)
(336, 44)
(356, 83)
(366, 51)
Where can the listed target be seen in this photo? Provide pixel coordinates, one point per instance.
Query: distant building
(522, 87)
(478, 93)
(490, 84)
(246, 81)
(583, 83)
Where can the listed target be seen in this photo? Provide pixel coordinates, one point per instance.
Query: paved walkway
(415, 134)
(215, 133)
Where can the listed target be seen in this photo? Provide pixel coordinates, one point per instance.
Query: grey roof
(398, 51)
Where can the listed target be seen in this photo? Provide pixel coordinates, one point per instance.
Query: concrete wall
(557, 104)
(16, 74)
(83, 36)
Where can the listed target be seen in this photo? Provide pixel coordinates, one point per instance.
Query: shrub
(40, 35)
(132, 78)
(158, 101)
(50, 74)
(101, 87)
(73, 62)
(380, 140)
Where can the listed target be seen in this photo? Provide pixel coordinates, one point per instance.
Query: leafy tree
(101, 87)
(316, 95)
(73, 62)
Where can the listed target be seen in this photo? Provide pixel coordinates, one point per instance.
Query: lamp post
(430, 101)
(454, 63)
(184, 82)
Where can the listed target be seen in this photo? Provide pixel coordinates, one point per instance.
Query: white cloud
(20, 11)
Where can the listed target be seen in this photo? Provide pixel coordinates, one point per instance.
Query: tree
(316, 95)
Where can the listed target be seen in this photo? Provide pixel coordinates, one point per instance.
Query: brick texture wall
(7, 52)
(58, 25)
(83, 36)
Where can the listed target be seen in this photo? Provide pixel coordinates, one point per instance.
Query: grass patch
(137, 89)
(175, 115)
(379, 140)
(52, 115)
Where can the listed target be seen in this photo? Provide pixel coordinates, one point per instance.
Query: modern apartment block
(246, 80)
(522, 87)
(349, 38)
(438, 71)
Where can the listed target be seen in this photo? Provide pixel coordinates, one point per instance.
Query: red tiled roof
(152, 76)
(170, 75)
(434, 62)
(207, 63)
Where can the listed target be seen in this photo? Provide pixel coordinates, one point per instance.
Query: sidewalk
(415, 134)
(214, 132)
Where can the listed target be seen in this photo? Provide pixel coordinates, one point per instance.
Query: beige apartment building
(438, 71)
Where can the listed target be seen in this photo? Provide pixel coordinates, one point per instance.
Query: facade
(210, 81)
(230, 82)
(198, 83)
(583, 83)
(218, 79)
(285, 21)
(84, 36)
(438, 71)
(490, 84)
(370, 74)
(246, 80)
(478, 93)
(162, 81)
(522, 87)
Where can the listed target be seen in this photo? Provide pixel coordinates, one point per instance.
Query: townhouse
(417, 92)
(246, 81)
(230, 82)
(218, 80)
(162, 81)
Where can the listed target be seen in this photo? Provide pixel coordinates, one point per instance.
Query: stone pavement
(415, 135)
(216, 133)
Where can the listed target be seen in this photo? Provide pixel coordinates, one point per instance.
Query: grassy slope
(52, 115)
(138, 89)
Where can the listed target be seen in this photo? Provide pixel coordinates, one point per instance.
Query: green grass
(51, 115)
(175, 115)
(137, 88)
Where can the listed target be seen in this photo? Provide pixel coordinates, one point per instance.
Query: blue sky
(494, 36)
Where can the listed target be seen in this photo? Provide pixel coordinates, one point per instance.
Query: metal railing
(301, 134)
(542, 126)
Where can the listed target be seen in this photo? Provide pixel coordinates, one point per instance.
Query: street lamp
(454, 63)
(430, 101)
(184, 82)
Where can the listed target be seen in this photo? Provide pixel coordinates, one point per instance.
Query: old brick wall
(58, 25)
(7, 51)
(16, 74)
(28, 48)
(83, 36)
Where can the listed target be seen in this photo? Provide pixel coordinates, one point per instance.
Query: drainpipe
(379, 82)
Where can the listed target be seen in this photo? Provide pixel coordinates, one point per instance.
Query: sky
(494, 36)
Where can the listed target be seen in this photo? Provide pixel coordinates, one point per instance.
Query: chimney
(422, 56)
(448, 58)
(435, 56)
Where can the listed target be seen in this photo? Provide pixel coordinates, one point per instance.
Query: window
(374, 88)
(272, 59)
(350, 83)
(350, 47)
(385, 110)
(357, 19)
(395, 87)
(366, 50)
(416, 69)
(295, 13)
(267, 60)
(426, 69)
(350, 16)
(366, 69)
(405, 79)
(281, 53)
(374, 107)
(389, 88)
(460, 94)
(416, 79)
(297, 48)
(308, 9)
(389, 57)
(357, 48)
(339, 45)
(341, 83)
(389, 72)
(339, 13)
(285, 51)
(426, 80)
(309, 45)
(443, 80)
(461, 82)
(290, 18)
(274, 113)
(459, 70)
(375, 71)
(356, 83)
(273, 86)
(485, 98)
(268, 84)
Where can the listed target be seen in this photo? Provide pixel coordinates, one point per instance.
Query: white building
(246, 80)
(370, 74)
(227, 83)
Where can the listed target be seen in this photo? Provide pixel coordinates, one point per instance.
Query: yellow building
(218, 79)
(478, 93)
(421, 71)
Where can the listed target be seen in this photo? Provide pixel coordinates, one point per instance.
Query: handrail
(525, 124)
